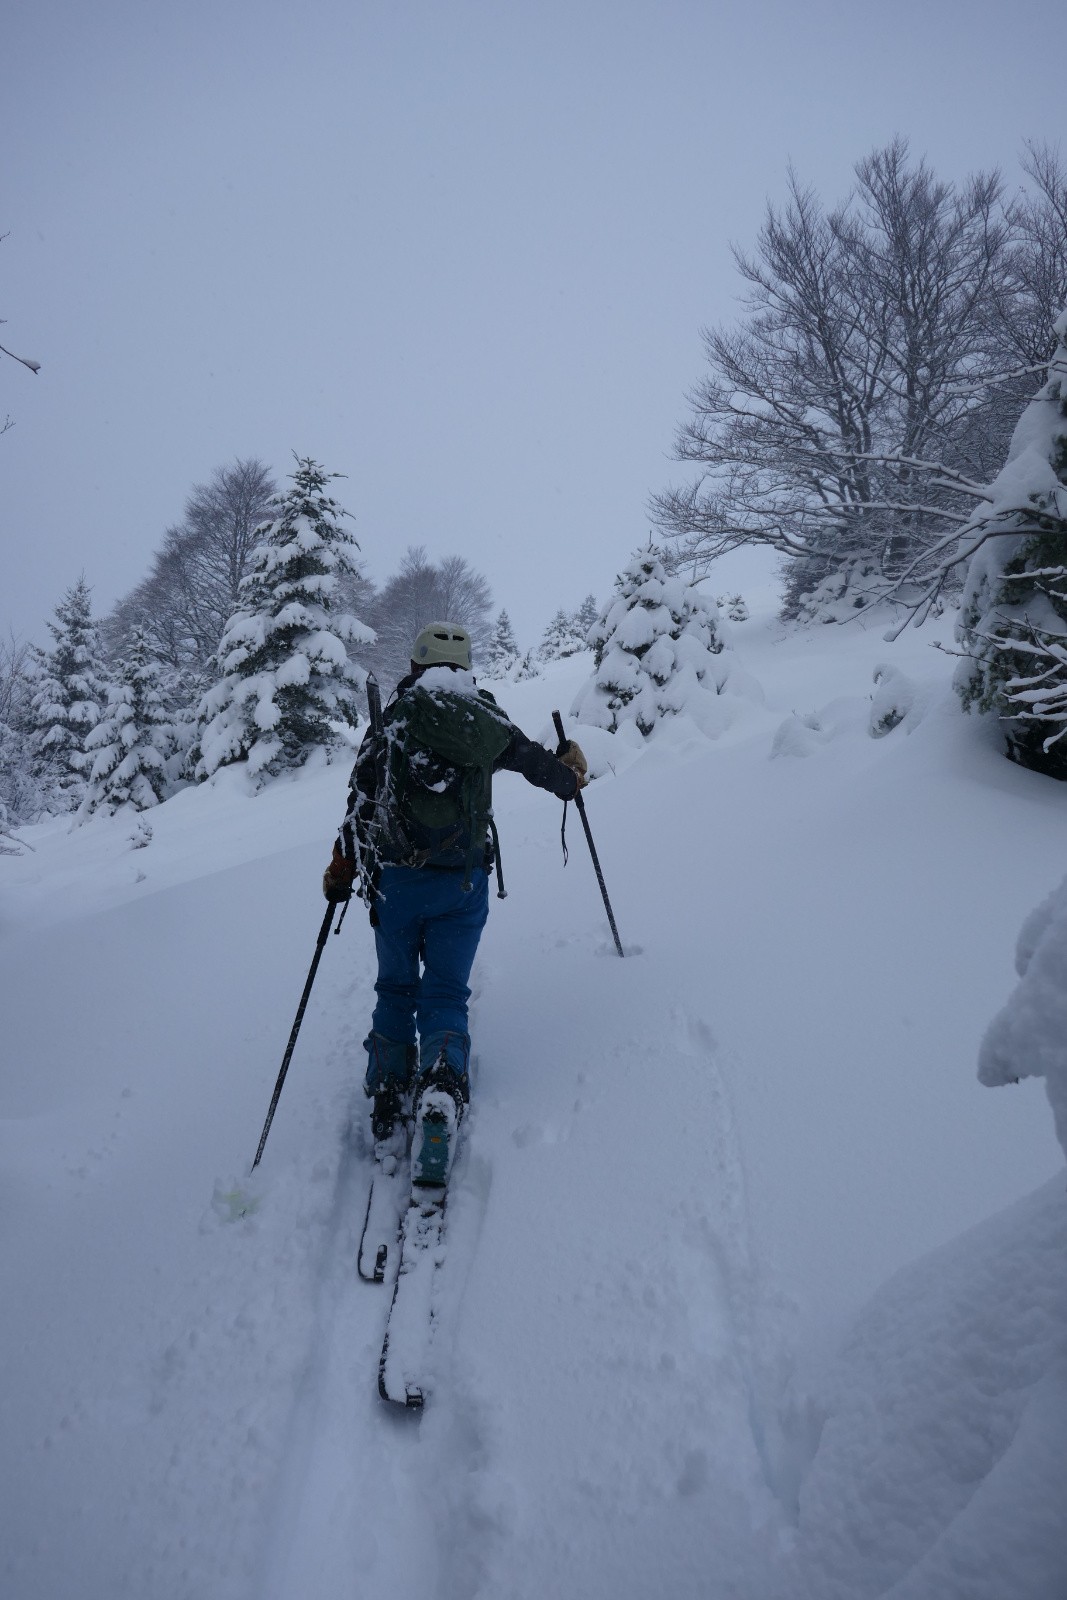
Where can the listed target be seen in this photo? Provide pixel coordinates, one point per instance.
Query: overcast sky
(459, 252)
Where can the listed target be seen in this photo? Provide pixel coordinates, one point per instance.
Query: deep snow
(685, 1173)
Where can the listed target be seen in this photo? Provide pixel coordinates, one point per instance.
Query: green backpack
(441, 749)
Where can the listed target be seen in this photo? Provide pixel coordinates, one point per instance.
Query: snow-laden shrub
(132, 743)
(288, 685)
(843, 589)
(735, 607)
(658, 651)
(895, 701)
(1028, 1038)
(1013, 619)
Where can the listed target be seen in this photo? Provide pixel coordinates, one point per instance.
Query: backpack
(440, 750)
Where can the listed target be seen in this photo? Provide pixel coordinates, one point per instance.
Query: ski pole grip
(563, 740)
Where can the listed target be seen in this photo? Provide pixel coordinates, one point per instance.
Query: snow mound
(802, 733)
(939, 1474)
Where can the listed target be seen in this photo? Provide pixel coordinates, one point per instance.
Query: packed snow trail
(681, 1168)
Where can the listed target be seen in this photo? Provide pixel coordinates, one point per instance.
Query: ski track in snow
(339, 1483)
(656, 1434)
(354, 1471)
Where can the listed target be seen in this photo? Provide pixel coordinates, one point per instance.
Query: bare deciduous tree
(846, 423)
(191, 591)
(25, 361)
(423, 591)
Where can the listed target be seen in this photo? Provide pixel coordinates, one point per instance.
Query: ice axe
(580, 803)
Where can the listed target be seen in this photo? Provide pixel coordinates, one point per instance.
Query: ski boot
(387, 1110)
(389, 1072)
(441, 1096)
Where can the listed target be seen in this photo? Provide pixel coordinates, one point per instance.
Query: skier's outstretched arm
(542, 768)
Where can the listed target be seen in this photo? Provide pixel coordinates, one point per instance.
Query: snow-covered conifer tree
(527, 668)
(563, 637)
(1013, 618)
(131, 744)
(287, 680)
(502, 651)
(586, 616)
(69, 691)
(657, 647)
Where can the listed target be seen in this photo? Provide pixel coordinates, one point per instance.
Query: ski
(403, 1235)
(408, 1330)
(379, 1245)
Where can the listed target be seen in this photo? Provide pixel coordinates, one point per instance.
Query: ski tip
(374, 1272)
(410, 1400)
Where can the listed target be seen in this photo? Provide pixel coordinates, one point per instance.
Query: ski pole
(580, 803)
(324, 934)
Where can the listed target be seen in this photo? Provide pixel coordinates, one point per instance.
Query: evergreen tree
(286, 677)
(131, 744)
(1013, 620)
(585, 617)
(656, 642)
(561, 638)
(502, 651)
(69, 692)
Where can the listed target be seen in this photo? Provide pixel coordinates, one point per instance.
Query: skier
(419, 836)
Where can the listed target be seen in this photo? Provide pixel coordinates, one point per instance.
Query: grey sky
(460, 252)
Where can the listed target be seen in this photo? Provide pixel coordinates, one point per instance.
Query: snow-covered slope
(683, 1175)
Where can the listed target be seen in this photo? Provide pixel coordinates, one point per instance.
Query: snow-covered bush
(896, 702)
(526, 668)
(1013, 619)
(69, 691)
(1028, 1038)
(131, 744)
(657, 649)
(847, 588)
(288, 683)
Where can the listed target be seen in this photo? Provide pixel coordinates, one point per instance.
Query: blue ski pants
(425, 918)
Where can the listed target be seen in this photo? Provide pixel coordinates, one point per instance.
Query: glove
(338, 877)
(573, 758)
